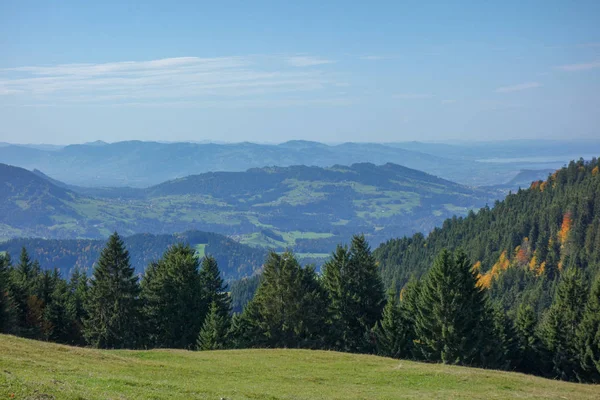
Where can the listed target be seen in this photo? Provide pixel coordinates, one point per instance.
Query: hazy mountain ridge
(143, 164)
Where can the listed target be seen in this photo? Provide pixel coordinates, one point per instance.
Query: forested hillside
(521, 244)
(235, 260)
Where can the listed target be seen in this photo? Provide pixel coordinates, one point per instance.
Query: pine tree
(561, 322)
(588, 335)
(503, 351)
(528, 343)
(356, 295)
(213, 335)
(24, 288)
(289, 309)
(112, 304)
(213, 288)
(451, 316)
(171, 297)
(393, 333)
(7, 317)
(57, 319)
(78, 287)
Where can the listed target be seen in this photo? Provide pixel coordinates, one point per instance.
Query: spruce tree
(561, 322)
(503, 351)
(451, 315)
(6, 303)
(171, 299)
(58, 320)
(356, 294)
(213, 289)
(289, 309)
(213, 335)
(588, 335)
(393, 333)
(112, 304)
(24, 288)
(78, 286)
(528, 342)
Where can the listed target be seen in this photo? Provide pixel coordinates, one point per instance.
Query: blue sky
(73, 71)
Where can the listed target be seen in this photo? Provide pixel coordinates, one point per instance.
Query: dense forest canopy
(539, 231)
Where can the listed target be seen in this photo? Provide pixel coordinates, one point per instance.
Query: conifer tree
(171, 299)
(57, 319)
(356, 295)
(213, 335)
(503, 351)
(528, 342)
(213, 289)
(289, 309)
(393, 333)
(588, 335)
(24, 288)
(78, 286)
(6, 303)
(112, 304)
(561, 322)
(452, 312)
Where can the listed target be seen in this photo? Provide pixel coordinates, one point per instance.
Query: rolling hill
(309, 209)
(38, 370)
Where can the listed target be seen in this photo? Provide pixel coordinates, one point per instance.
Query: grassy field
(38, 370)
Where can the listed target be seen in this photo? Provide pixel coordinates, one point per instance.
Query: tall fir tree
(112, 304)
(452, 312)
(561, 322)
(59, 322)
(213, 289)
(172, 300)
(25, 288)
(7, 318)
(393, 332)
(588, 335)
(214, 332)
(356, 294)
(289, 309)
(78, 286)
(528, 343)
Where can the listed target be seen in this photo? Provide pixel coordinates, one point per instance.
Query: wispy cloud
(518, 88)
(307, 61)
(171, 79)
(580, 67)
(412, 96)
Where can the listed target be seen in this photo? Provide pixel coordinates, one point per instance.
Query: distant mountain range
(309, 209)
(143, 164)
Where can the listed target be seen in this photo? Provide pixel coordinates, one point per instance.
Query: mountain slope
(30, 369)
(535, 233)
(235, 260)
(306, 208)
(28, 199)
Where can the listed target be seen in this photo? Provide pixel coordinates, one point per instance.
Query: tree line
(182, 302)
